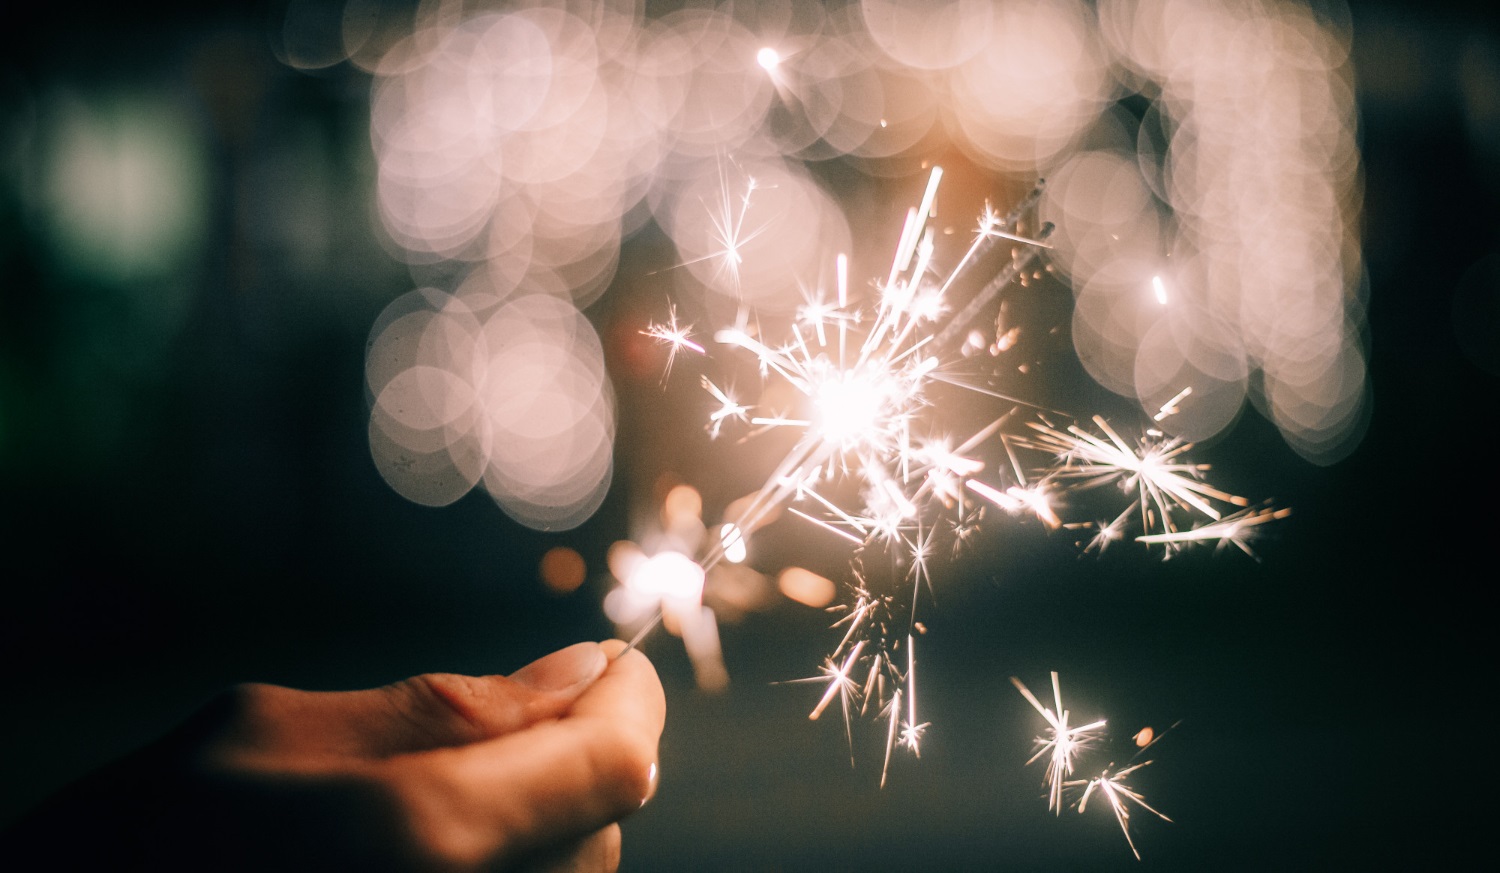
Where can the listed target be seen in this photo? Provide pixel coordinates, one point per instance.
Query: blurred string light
(663, 577)
(524, 141)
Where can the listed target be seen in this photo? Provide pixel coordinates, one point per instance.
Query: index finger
(553, 781)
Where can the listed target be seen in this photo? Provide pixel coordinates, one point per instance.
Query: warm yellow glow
(563, 570)
(805, 586)
(668, 575)
(683, 502)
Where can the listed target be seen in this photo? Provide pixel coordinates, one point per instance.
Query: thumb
(430, 711)
(448, 709)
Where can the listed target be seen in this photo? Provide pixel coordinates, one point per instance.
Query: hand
(437, 772)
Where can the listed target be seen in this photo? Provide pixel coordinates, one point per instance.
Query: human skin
(530, 771)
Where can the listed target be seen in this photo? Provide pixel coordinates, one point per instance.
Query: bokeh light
(562, 570)
(807, 587)
(1039, 82)
(123, 189)
(1247, 204)
(508, 391)
(1209, 228)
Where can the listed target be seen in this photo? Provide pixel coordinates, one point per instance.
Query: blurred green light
(124, 187)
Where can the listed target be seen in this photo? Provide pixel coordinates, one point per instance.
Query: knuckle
(454, 700)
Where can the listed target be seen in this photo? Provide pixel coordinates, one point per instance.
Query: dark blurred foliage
(188, 501)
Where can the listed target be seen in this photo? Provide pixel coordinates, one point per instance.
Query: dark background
(188, 501)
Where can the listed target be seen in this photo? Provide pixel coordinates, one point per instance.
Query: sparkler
(875, 465)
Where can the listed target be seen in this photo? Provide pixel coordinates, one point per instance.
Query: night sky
(187, 500)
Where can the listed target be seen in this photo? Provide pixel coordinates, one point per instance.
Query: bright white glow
(668, 575)
(1062, 743)
(848, 406)
(1160, 289)
(734, 544)
(768, 58)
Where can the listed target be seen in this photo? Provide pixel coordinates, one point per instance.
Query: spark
(1017, 500)
(676, 337)
(903, 733)
(838, 683)
(1170, 407)
(1236, 530)
(921, 550)
(864, 386)
(1061, 744)
(911, 731)
(729, 408)
(1166, 487)
(841, 685)
(911, 736)
(1108, 532)
(727, 219)
(1119, 795)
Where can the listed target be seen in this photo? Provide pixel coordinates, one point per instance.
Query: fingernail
(651, 780)
(565, 669)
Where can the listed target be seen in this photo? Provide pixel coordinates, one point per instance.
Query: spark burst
(1119, 796)
(1062, 745)
(874, 464)
(677, 337)
(1166, 490)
